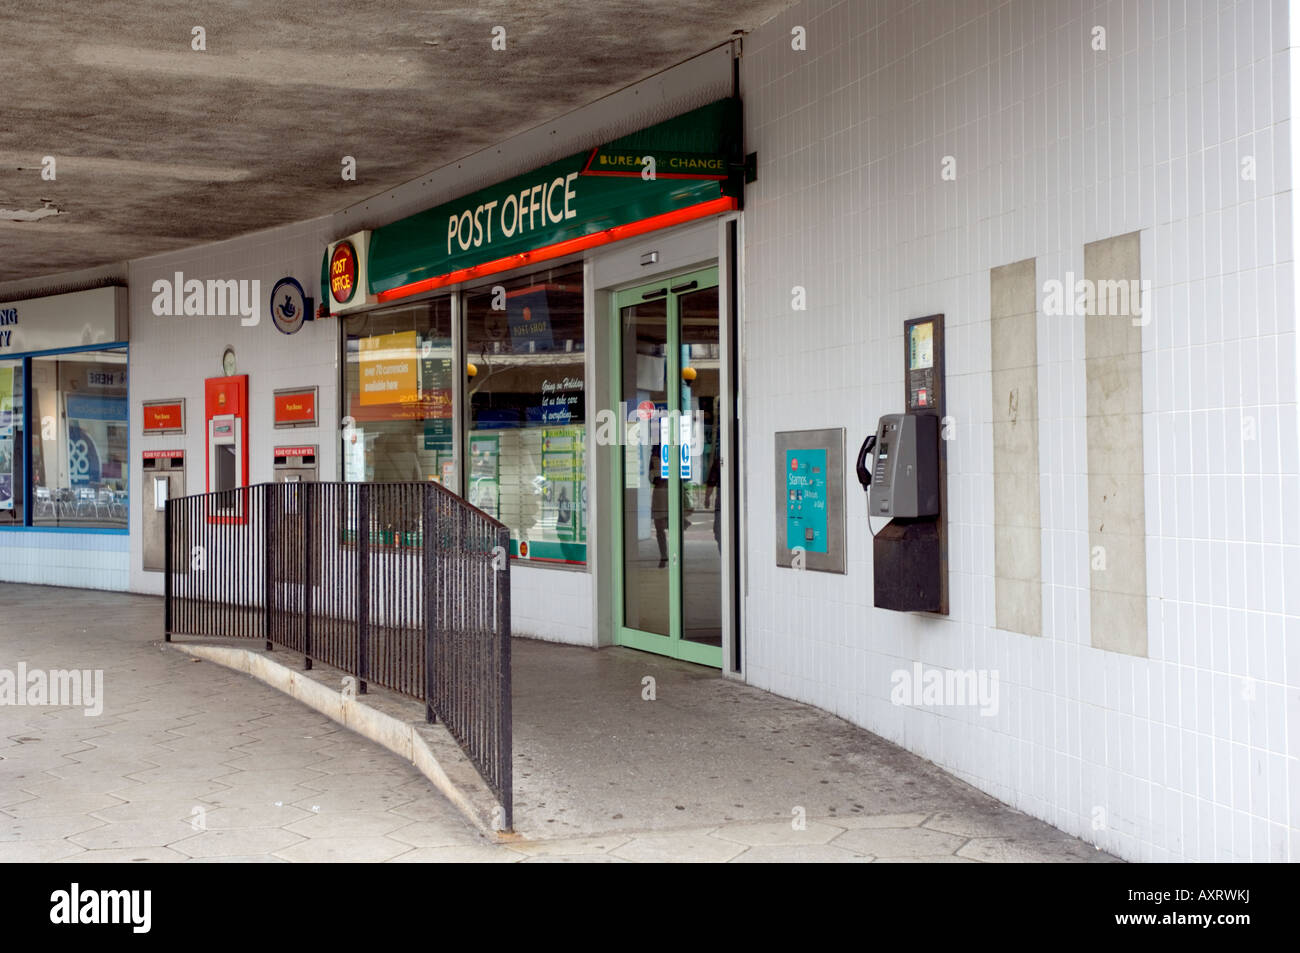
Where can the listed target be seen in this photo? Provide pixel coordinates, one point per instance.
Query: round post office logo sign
(288, 305)
(343, 272)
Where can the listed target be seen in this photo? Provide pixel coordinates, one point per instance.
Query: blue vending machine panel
(805, 485)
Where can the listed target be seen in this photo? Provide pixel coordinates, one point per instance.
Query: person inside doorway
(659, 506)
(712, 491)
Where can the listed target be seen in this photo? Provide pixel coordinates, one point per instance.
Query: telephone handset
(864, 474)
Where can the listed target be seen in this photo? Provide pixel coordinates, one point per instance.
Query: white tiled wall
(550, 604)
(81, 560)
(172, 356)
(1191, 753)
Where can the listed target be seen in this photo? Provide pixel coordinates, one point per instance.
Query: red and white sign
(295, 452)
(164, 417)
(295, 406)
(161, 454)
(345, 279)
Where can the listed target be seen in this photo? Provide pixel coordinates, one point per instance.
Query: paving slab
(801, 854)
(779, 833)
(678, 847)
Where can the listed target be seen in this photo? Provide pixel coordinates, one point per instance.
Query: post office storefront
(557, 348)
(64, 478)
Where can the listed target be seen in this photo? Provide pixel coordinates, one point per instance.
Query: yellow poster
(389, 368)
(921, 347)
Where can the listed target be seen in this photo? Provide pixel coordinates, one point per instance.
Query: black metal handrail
(405, 585)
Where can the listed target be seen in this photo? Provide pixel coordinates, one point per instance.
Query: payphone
(164, 479)
(226, 419)
(905, 478)
(907, 484)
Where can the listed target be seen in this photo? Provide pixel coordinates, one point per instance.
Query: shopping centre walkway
(192, 761)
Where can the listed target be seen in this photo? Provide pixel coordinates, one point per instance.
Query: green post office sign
(688, 165)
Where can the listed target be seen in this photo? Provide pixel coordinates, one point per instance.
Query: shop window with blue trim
(80, 424)
(11, 443)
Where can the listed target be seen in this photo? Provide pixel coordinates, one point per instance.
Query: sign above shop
(344, 274)
(679, 170)
(78, 319)
(664, 165)
(290, 306)
(164, 416)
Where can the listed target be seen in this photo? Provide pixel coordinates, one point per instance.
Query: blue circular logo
(288, 305)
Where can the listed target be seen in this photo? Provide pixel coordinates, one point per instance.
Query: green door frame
(673, 644)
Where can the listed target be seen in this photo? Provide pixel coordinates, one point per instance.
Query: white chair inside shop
(87, 502)
(45, 503)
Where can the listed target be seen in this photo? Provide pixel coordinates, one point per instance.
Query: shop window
(11, 443)
(526, 435)
(79, 440)
(397, 395)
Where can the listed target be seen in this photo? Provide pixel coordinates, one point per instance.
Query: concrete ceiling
(158, 146)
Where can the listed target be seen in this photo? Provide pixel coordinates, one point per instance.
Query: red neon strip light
(567, 247)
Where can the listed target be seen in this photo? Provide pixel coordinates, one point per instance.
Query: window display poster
(485, 472)
(95, 424)
(530, 321)
(562, 402)
(6, 438)
(389, 371)
(564, 473)
(6, 402)
(354, 455)
(438, 435)
(920, 350)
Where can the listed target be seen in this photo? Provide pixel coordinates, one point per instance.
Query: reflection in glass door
(669, 596)
(701, 486)
(646, 591)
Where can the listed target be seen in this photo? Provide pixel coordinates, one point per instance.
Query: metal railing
(403, 585)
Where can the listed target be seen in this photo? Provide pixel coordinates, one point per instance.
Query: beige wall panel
(1116, 503)
(1017, 540)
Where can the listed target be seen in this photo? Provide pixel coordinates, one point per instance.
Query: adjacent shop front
(64, 427)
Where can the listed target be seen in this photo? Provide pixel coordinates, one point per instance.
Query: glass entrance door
(668, 569)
